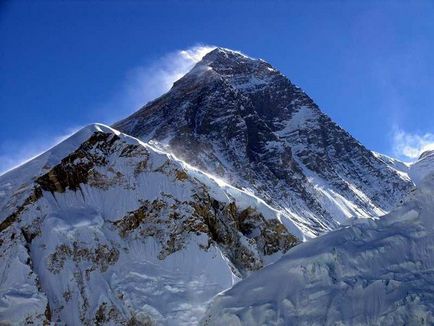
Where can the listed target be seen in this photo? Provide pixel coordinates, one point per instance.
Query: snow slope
(374, 273)
(422, 167)
(104, 229)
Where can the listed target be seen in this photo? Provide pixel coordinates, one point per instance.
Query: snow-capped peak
(221, 51)
(241, 71)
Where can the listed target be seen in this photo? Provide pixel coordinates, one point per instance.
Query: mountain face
(104, 229)
(242, 120)
(375, 273)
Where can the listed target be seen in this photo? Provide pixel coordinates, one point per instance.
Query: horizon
(384, 103)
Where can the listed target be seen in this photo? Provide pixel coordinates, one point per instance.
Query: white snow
(378, 273)
(420, 169)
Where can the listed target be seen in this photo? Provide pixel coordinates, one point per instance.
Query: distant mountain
(104, 229)
(242, 120)
(374, 273)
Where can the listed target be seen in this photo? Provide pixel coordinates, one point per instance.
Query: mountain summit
(241, 119)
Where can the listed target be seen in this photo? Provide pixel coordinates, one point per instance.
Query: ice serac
(375, 273)
(105, 229)
(241, 119)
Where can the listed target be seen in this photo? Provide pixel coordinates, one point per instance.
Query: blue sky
(368, 64)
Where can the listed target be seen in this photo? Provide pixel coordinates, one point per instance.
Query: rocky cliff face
(241, 119)
(118, 232)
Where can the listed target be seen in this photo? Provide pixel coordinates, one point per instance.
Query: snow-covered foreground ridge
(374, 273)
(104, 229)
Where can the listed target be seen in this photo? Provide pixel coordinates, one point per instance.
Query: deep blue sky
(368, 64)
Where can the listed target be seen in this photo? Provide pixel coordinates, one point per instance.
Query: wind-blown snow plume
(152, 81)
(410, 146)
(145, 83)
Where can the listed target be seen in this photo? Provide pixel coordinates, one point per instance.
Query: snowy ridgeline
(105, 229)
(374, 273)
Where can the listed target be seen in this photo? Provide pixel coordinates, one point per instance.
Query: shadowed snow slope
(104, 229)
(377, 273)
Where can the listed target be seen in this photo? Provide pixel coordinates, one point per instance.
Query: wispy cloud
(141, 85)
(409, 146)
(145, 83)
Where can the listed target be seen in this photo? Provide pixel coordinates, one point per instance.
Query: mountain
(146, 222)
(240, 119)
(375, 273)
(105, 229)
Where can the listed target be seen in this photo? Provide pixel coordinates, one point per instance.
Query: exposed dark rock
(148, 210)
(101, 257)
(225, 224)
(11, 219)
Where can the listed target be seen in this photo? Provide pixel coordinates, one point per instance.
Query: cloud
(410, 145)
(15, 153)
(145, 83)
